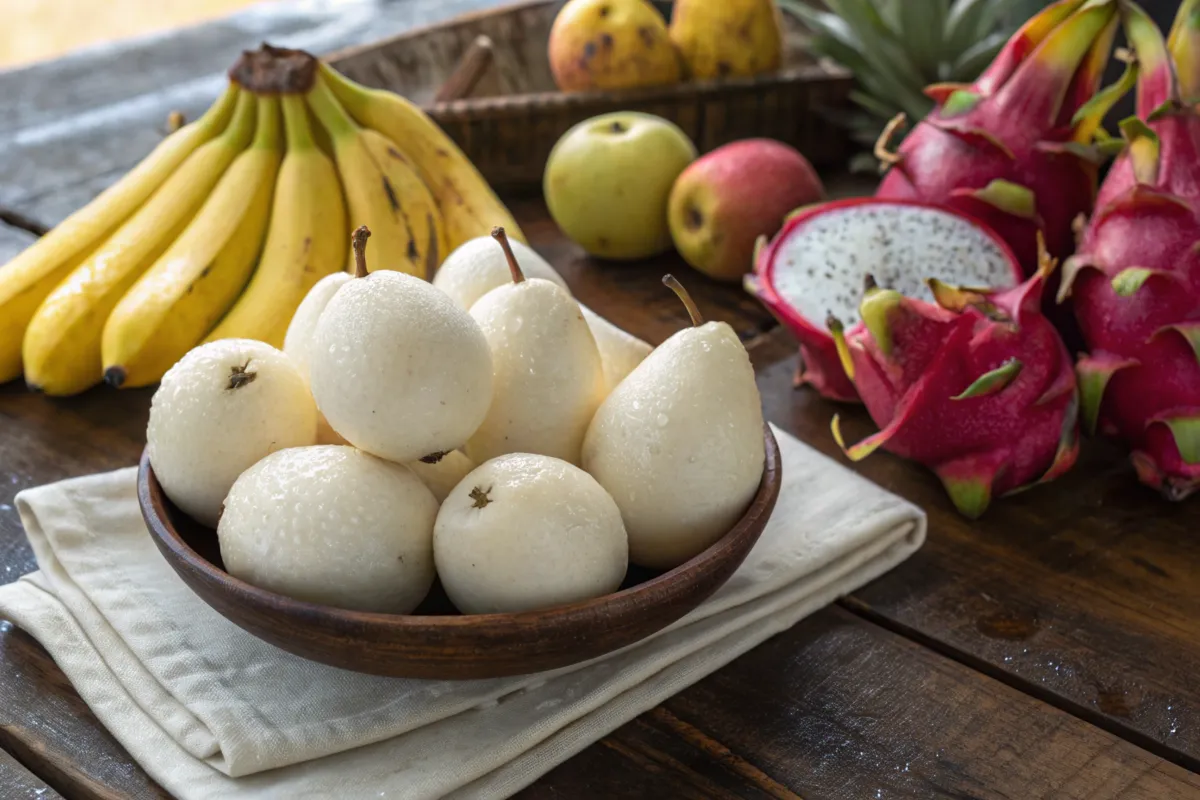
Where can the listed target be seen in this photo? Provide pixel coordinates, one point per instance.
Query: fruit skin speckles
(553, 537)
(611, 44)
(437, 353)
(816, 264)
(338, 517)
(651, 444)
(211, 418)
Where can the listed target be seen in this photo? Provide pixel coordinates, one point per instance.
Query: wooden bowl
(436, 641)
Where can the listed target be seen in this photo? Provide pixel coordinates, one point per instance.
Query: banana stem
(358, 241)
(295, 123)
(329, 111)
(672, 283)
(353, 96)
(241, 127)
(217, 116)
(513, 267)
(266, 134)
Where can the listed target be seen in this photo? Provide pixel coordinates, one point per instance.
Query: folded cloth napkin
(212, 712)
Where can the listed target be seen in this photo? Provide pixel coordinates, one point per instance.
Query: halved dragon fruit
(815, 267)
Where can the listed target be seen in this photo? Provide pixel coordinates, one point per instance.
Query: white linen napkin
(209, 711)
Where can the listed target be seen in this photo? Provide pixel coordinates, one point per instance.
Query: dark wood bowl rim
(665, 586)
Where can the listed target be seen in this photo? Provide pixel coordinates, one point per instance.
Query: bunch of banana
(223, 228)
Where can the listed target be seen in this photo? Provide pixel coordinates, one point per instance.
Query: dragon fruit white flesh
(1135, 281)
(815, 265)
(979, 387)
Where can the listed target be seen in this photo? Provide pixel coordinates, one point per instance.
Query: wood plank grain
(839, 708)
(47, 439)
(19, 783)
(12, 241)
(835, 707)
(1082, 592)
(45, 724)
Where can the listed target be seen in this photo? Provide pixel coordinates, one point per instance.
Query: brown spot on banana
(393, 201)
(431, 254)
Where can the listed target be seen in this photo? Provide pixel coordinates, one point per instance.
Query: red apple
(728, 198)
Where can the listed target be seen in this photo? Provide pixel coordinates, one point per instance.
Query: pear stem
(513, 267)
(672, 283)
(358, 240)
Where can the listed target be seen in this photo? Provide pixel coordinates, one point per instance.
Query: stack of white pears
(484, 429)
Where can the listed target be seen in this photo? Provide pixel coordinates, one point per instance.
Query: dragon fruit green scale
(979, 387)
(1011, 149)
(1134, 283)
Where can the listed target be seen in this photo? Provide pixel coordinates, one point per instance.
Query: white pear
(332, 525)
(679, 443)
(444, 474)
(620, 352)
(298, 341)
(523, 532)
(476, 267)
(396, 367)
(221, 408)
(547, 380)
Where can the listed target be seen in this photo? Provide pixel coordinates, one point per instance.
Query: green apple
(608, 179)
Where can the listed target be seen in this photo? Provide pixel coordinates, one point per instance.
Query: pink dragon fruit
(1009, 148)
(978, 387)
(1135, 280)
(815, 266)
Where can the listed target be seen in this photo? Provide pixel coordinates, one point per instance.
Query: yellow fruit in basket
(193, 284)
(726, 38)
(383, 192)
(27, 279)
(306, 240)
(611, 44)
(469, 206)
(61, 348)
(608, 179)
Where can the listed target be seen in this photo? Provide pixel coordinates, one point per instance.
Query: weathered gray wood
(18, 783)
(69, 128)
(12, 241)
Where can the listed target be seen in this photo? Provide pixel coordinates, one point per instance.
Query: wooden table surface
(1049, 650)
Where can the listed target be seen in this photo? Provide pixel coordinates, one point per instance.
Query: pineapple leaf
(873, 104)
(971, 20)
(920, 27)
(882, 47)
(888, 89)
(890, 11)
(897, 47)
(861, 15)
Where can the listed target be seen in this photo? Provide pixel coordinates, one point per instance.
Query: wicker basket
(514, 114)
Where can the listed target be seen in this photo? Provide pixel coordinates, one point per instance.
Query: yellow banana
(27, 279)
(383, 192)
(469, 206)
(61, 348)
(305, 242)
(195, 281)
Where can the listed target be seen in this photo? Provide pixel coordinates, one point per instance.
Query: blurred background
(38, 30)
